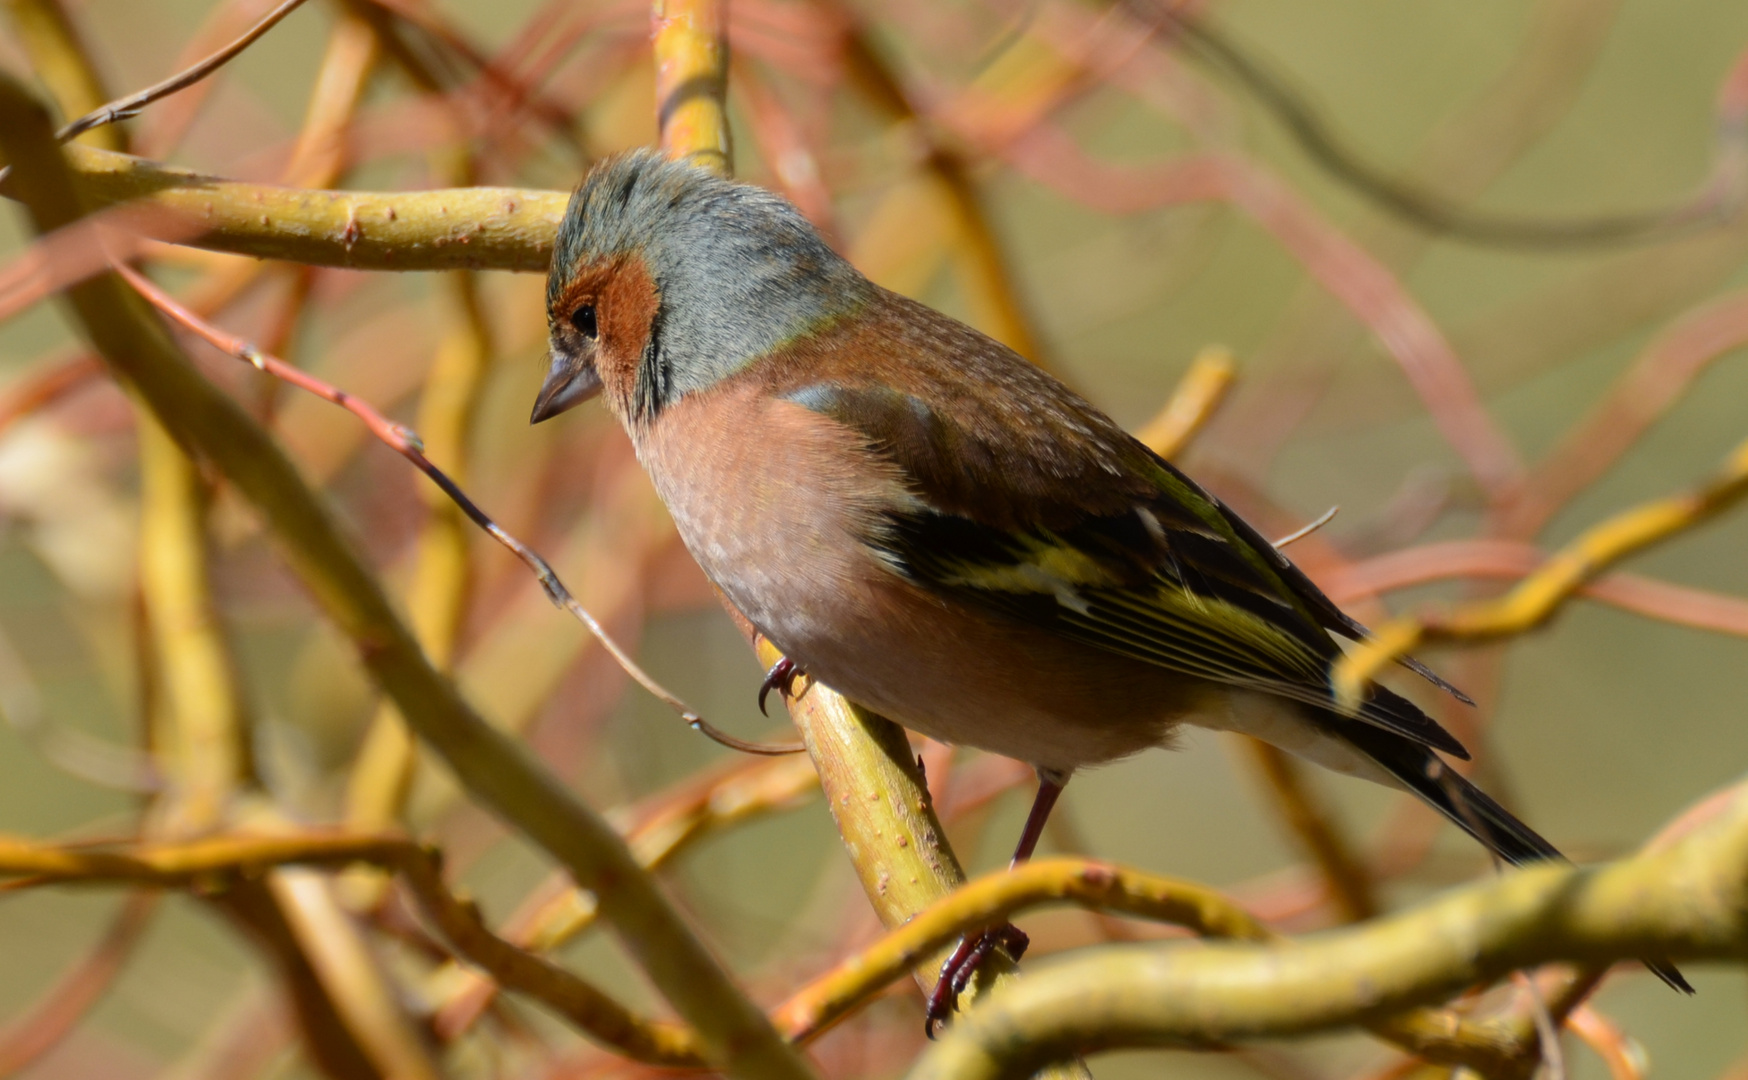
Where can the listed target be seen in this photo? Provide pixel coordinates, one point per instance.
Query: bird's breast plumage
(778, 510)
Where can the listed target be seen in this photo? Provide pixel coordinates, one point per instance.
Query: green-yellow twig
(1537, 598)
(987, 902)
(205, 744)
(494, 768)
(1193, 402)
(453, 228)
(1690, 901)
(691, 59)
(875, 788)
(755, 787)
(217, 864)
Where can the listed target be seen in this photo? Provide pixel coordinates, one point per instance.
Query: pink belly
(775, 515)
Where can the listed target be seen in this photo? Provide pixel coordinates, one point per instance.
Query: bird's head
(667, 278)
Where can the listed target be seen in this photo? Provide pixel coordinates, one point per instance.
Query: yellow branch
(988, 901)
(757, 787)
(1197, 396)
(205, 742)
(213, 864)
(880, 801)
(691, 61)
(1690, 901)
(1537, 598)
(1499, 1046)
(479, 228)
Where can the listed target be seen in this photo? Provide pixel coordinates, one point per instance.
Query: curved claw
(782, 677)
(959, 968)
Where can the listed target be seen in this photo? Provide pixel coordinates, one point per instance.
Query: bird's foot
(957, 972)
(782, 678)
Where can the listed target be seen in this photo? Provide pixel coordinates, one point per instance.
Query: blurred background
(1111, 194)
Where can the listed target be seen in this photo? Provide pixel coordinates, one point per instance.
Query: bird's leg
(781, 677)
(972, 949)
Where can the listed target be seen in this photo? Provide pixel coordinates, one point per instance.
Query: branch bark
(479, 228)
(1687, 901)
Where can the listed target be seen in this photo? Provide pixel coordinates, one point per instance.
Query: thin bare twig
(404, 441)
(123, 108)
(1308, 528)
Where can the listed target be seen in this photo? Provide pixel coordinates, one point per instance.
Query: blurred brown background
(1600, 728)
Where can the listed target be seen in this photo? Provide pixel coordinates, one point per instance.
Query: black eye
(583, 318)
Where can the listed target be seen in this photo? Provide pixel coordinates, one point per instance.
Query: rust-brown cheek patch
(626, 301)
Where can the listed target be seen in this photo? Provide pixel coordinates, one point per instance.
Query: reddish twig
(1617, 1049)
(1660, 376)
(56, 1013)
(405, 442)
(1511, 560)
(45, 386)
(1376, 297)
(785, 148)
(522, 96)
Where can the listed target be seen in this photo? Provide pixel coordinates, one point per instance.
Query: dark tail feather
(1469, 808)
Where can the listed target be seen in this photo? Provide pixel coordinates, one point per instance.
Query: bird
(938, 529)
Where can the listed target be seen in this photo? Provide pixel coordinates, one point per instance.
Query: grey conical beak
(569, 382)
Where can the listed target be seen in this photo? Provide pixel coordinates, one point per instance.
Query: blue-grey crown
(740, 271)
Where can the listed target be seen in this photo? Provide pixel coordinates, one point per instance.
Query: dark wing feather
(1327, 614)
(1100, 541)
(1470, 809)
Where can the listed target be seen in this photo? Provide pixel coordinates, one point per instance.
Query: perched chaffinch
(938, 529)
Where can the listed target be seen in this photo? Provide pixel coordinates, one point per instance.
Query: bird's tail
(1468, 807)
